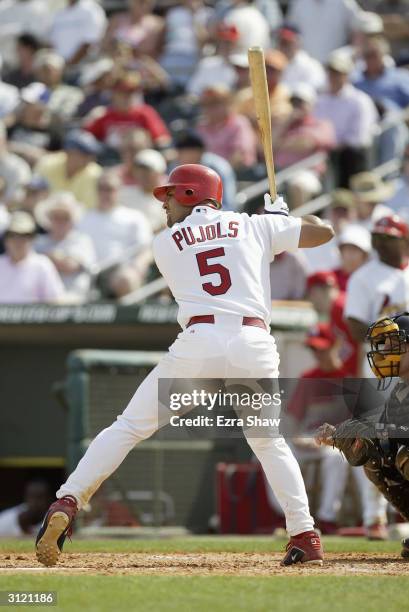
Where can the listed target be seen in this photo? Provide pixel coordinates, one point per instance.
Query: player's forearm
(314, 232)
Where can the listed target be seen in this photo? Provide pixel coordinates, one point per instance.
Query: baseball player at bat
(216, 264)
(380, 442)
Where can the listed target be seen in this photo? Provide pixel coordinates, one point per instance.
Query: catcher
(381, 445)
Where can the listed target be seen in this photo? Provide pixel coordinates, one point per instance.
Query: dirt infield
(204, 564)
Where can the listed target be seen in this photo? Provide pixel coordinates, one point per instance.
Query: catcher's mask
(388, 337)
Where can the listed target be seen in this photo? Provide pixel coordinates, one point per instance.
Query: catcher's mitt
(354, 438)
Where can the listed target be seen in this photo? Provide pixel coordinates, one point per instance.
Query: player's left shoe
(304, 548)
(57, 525)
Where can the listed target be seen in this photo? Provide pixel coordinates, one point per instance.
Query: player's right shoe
(304, 548)
(57, 525)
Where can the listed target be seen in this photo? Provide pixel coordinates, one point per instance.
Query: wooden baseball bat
(258, 79)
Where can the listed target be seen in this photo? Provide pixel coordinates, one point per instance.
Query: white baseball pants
(226, 349)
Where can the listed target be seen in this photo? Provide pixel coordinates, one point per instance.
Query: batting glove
(278, 207)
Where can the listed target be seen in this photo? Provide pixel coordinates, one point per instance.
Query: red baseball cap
(392, 225)
(320, 337)
(325, 278)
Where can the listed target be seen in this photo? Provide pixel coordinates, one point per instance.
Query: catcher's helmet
(388, 337)
(193, 183)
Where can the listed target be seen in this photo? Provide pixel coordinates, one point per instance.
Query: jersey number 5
(215, 268)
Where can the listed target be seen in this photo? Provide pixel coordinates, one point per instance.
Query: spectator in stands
(399, 202)
(63, 99)
(13, 169)
(288, 276)
(18, 17)
(353, 116)
(322, 289)
(394, 15)
(217, 68)
(325, 25)
(22, 74)
(76, 27)
(74, 169)
(191, 149)
(149, 168)
(280, 106)
(138, 27)
(367, 26)
(252, 26)
(341, 211)
(240, 63)
(121, 237)
(381, 286)
(225, 132)
(132, 143)
(354, 245)
(96, 80)
(185, 33)
(71, 252)
(271, 10)
(388, 87)
(355, 249)
(26, 518)
(125, 113)
(299, 137)
(370, 191)
(9, 100)
(26, 276)
(33, 131)
(301, 67)
(36, 190)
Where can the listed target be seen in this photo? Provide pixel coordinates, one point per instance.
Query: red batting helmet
(193, 183)
(392, 225)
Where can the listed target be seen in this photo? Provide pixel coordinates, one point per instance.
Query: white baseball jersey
(377, 290)
(218, 262)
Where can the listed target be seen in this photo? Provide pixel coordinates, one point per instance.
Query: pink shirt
(34, 279)
(236, 135)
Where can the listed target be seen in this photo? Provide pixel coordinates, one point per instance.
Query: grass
(219, 593)
(372, 593)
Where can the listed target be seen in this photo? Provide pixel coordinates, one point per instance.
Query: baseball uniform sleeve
(279, 232)
(357, 305)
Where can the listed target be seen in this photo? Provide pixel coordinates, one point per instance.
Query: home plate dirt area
(205, 564)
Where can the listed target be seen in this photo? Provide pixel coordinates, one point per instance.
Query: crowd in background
(98, 104)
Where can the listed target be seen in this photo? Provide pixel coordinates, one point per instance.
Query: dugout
(35, 342)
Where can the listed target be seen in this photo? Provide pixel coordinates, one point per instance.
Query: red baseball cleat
(57, 525)
(304, 548)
